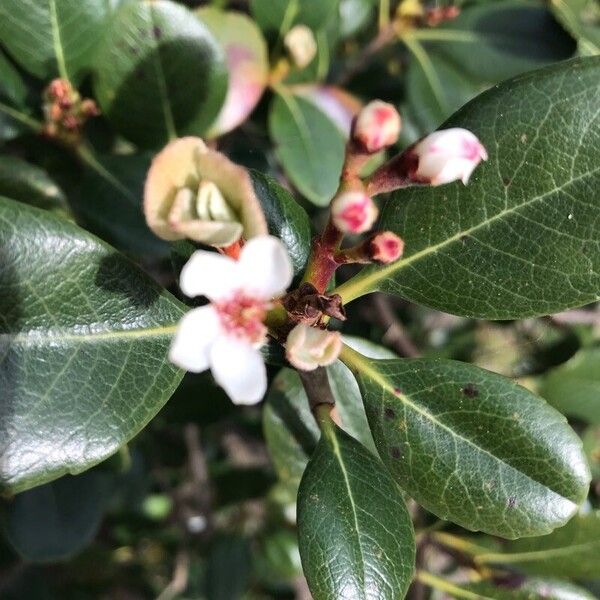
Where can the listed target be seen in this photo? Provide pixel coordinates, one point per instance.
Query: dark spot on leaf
(397, 391)
(395, 452)
(464, 239)
(389, 413)
(140, 73)
(470, 391)
(157, 32)
(512, 502)
(506, 181)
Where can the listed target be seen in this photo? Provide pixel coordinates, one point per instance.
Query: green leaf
(22, 181)
(160, 73)
(572, 551)
(436, 88)
(84, 336)
(279, 15)
(591, 446)
(57, 520)
(308, 145)
(13, 94)
(354, 533)
(522, 238)
(497, 40)
(581, 18)
(286, 219)
(51, 38)
(289, 427)
(574, 387)
(529, 589)
(109, 203)
(471, 446)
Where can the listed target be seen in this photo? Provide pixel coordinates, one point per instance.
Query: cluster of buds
(66, 112)
(412, 13)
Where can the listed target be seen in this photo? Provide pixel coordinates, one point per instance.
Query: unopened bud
(385, 247)
(447, 155)
(308, 348)
(377, 126)
(301, 45)
(353, 212)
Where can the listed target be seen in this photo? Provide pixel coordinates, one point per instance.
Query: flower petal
(239, 369)
(209, 274)
(196, 333)
(265, 267)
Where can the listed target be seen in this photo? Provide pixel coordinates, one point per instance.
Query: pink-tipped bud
(377, 126)
(353, 212)
(386, 247)
(447, 155)
(308, 347)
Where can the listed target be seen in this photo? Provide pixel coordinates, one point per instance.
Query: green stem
(438, 583)
(87, 156)
(17, 115)
(384, 14)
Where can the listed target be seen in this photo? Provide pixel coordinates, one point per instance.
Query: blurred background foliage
(202, 503)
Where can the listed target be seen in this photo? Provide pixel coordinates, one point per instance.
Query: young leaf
(159, 73)
(53, 38)
(522, 238)
(572, 551)
(574, 387)
(286, 219)
(471, 446)
(355, 535)
(58, 519)
(84, 336)
(309, 146)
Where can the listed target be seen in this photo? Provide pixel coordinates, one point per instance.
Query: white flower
(447, 155)
(353, 212)
(226, 335)
(377, 126)
(308, 347)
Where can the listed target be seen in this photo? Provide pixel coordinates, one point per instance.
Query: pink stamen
(243, 316)
(356, 214)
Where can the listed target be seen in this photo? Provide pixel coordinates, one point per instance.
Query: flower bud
(301, 45)
(353, 212)
(197, 193)
(385, 247)
(377, 126)
(308, 348)
(447, 155)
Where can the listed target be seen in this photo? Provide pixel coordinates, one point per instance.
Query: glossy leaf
(522, 238)
(247, 63)
(159, 73)
(355, 535)
(53, 38)
(56, 520)
(289, 427)
(493, 41)
(471, 446)
(22, 181)
(581, 18)
(286, 219)
(308, 145)
(436, 88)
(84, 336)
(108, 202)
(574, 387)
(572, 551)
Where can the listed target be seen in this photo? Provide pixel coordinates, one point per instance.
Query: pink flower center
(243, 316)
(471, 149)
(356, 214)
